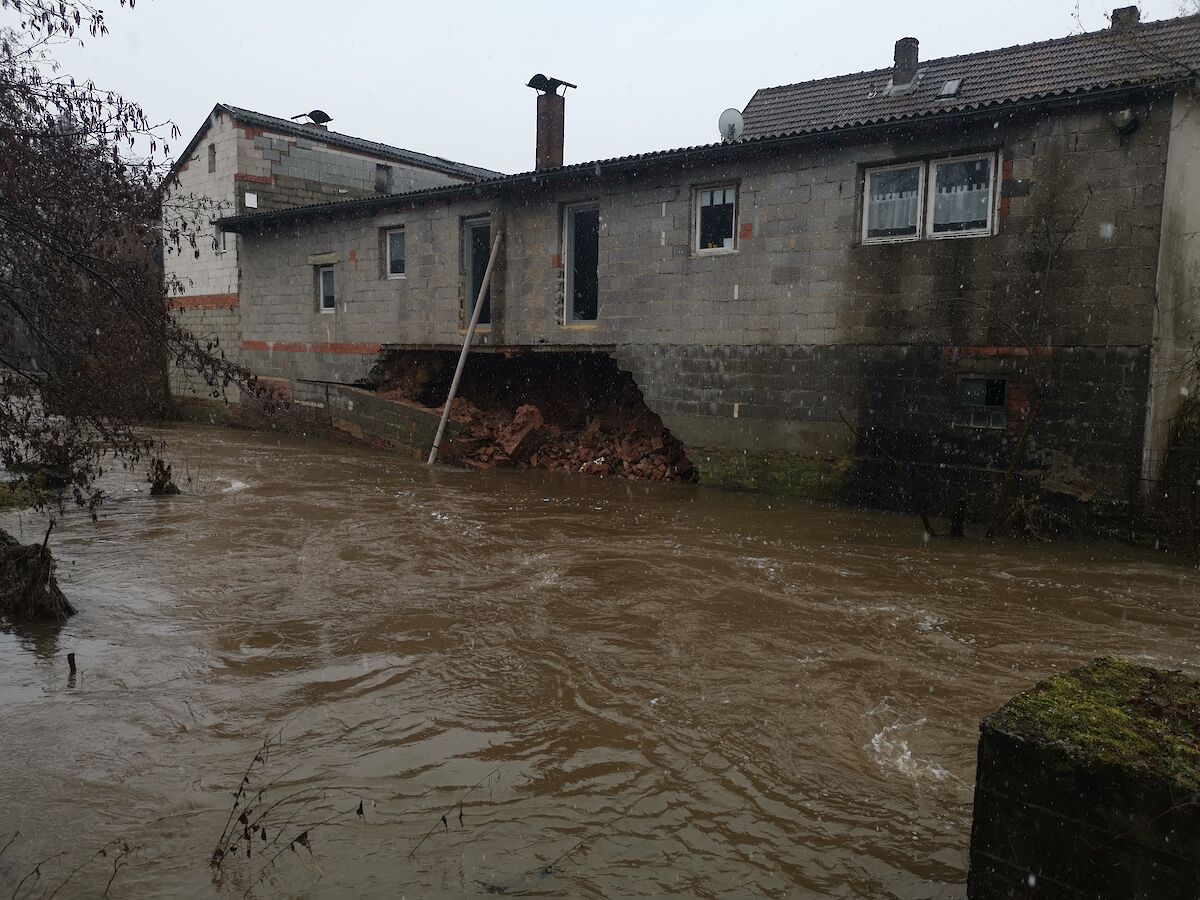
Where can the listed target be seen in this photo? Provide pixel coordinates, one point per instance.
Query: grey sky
(449, 78)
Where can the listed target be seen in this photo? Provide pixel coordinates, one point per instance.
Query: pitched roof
(384, 151)
(1155, 53)
(371, 148)
(1141, 54)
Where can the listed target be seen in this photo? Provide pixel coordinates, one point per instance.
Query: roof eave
(597, 169)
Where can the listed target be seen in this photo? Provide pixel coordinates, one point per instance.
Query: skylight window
(951, 87)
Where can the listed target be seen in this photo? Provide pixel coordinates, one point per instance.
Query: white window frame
(219, 239)
(920, 166)
(387, 252)
(737, 203)
(569, 267)
(993, 159)
(321, 270)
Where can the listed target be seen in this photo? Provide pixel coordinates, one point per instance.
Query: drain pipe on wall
(462, 357)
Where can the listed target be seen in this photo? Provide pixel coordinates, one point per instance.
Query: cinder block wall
(283, 171)
(203, 281)
(762, 348)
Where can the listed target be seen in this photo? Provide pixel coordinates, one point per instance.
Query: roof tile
(1143, 54)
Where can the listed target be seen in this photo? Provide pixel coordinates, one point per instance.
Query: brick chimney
(905, 69)
(1125, 17)
(551, 125)
(551, 118)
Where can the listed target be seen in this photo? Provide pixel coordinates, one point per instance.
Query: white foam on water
(891, 751)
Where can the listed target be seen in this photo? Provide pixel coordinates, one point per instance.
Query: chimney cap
(540, 82)
(316, 117)
(1126, 17)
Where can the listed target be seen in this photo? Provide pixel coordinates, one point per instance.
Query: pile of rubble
(610, 444)
(563, 411)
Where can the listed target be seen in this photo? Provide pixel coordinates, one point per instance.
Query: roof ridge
(242, 112)
(1141, 26)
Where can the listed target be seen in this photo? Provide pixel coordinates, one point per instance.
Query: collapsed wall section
(564, 411)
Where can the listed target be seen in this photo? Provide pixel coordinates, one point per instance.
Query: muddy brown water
(702, 694)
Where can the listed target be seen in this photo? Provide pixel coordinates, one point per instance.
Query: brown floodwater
(676, 691)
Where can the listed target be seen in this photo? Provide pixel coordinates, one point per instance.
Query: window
(218, 237)
(327, 300)
(212, 158)
(251, 200)
(395, 253)
(982, 403)
(477, 246)
(940, 198)
(581, 283)
(716, 217)
(962, 196)
(383, 179)
(892, 210)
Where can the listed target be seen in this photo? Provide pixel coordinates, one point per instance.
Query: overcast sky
(448, 78)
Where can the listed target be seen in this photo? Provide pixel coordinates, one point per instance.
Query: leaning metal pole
(462, 357)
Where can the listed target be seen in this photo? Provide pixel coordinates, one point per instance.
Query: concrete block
(1095, 758)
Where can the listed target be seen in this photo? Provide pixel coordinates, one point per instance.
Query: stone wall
(802, 321)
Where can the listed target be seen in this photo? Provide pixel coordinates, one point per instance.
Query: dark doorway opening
(478, 248)
(583, 260)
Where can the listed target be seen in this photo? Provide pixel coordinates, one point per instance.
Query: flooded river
(665, 689)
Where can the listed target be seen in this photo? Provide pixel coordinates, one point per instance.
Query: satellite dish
(731, 124)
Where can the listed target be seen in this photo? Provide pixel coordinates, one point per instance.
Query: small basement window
(716, 218)
(327, 299)
(395, 253)
(892, 203)
(961, 202)
(982, 403)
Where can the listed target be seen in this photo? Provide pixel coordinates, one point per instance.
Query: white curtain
(893, 211)
(961, 203)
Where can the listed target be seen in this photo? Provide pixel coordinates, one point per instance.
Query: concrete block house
(919, 267)
(240, 161)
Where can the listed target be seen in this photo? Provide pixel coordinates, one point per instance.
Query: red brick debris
(606, 430)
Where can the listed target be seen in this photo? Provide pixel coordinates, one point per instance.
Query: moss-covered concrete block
(773, 472)
(1089, 786)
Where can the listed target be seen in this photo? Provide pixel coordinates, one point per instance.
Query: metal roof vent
(950, 88)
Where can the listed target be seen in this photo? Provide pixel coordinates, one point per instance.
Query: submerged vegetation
(29, 592)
